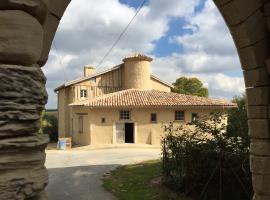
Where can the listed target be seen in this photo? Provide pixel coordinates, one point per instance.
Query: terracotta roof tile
(152, 98)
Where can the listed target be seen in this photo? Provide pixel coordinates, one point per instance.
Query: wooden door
(120, 133)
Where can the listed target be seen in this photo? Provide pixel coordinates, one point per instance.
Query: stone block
(21, 38)
(254, 56)
(260, 147)
(259, 128)
(258, 96)
(260, 165)
(23, 96)
(26, 142)
(23, 183)
(261, 184)
(58, 7)
(256, 77)
(50, 28)
(237, 11)
(244, 34)
(17, 160)
(261, 197)
(266, 9)
(267, 62)
(36, 8)
(258, 112)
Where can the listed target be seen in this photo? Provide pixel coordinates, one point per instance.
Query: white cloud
(89, 28)
(209, 52)
(220, 85)
(223, 86)
(173, 8)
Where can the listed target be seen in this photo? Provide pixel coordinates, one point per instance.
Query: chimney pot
(88, 70)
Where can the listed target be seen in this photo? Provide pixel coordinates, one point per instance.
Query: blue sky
(163, 46)
(185, 38)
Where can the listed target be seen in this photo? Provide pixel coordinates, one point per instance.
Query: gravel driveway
(76, 174)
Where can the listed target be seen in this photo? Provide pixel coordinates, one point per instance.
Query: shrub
(49, 126)
(201, 161)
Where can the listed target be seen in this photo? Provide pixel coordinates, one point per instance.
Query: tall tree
(190, 86)
(238, 120)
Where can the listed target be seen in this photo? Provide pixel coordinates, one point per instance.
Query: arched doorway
(27, 31)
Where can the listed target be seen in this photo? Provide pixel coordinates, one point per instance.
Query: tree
(237, 119)
(49, 126)
(190, 86)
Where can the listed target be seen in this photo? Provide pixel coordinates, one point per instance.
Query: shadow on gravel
(78, 183)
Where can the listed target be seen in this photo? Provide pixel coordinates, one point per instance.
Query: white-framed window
(83, 93)
(153, 117)
(179, 115)
(125, 115)
(80, 124)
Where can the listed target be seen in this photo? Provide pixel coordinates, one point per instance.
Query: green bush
(201, 161)
(49, 126)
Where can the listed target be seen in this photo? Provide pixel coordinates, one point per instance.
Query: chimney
(88, 70)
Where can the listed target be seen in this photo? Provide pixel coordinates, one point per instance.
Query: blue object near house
(62, 144)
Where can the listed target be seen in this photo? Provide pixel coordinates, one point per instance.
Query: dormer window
(83, 93)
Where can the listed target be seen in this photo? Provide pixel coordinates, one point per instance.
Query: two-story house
(125, 104)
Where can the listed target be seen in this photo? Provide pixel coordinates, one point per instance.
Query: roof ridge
(139, 97)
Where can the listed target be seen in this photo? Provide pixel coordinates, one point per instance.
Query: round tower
(137, 72)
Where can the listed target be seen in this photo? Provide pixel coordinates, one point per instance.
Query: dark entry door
(129, 133)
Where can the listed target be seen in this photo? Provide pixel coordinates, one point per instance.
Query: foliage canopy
(202, 161)
(190, 86)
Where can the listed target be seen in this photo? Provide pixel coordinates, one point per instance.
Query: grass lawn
(136, 182)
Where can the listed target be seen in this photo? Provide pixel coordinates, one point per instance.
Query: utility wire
(121, 34)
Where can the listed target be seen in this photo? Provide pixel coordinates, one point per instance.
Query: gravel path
(76, 174)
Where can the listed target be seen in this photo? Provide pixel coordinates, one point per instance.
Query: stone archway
(27, 30)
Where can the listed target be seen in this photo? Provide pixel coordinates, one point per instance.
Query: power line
(121, 34)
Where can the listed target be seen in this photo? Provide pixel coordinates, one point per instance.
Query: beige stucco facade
(96, 132)
(132, 73)
(90, 125)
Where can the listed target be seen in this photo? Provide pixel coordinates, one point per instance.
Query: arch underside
(23, 94)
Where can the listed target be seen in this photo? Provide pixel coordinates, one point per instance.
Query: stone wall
(248, 21)
(27, 30)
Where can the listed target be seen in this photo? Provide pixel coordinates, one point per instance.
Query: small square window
(153, 117)
(194, 117)
(103, 120)
(125, 115)
(83, 93)
(179, 115)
